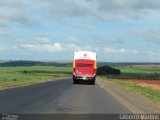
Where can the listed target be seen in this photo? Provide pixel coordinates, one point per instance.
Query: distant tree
(107, 70)
(25, 71)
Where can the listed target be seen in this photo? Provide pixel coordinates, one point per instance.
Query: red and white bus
(84, 66)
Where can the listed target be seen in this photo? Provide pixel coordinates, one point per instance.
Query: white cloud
(74, 47)
(99, 40)
(69, 8)
(4, 31)
(130, 8)
(37, 44)
(13, 14)
(27, 46)
(102, 10)
(56, 47)
(73, 39)
(15, 11)
(42, 48)
(42, 39)
(4, 48)
(138, 53)
(25, 12)
(120, 51)
(152, 53)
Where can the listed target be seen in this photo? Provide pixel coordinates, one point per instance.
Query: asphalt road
(59, 96)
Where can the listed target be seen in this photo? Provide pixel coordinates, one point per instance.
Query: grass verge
(148, 73)
(148, 92)
(20, 76)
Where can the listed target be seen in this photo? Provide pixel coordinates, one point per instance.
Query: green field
(147, 73)
(146, 91)
(15, 76)
(138, 73)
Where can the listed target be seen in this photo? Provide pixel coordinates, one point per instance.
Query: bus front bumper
(83, 78)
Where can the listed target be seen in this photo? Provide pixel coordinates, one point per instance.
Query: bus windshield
(84, 65)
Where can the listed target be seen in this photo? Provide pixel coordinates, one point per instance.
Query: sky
(46, 30)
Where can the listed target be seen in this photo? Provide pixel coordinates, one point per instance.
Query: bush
(107, 70)
(25, 71)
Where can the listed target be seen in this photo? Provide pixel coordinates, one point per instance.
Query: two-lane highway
(59, 96)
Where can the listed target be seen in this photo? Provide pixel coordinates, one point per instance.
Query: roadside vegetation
(135, 73)
(146, 91)
(16, 76)
(128, 72)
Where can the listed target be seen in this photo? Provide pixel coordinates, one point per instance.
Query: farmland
(16, 76)
(141, 79)
(149, 73)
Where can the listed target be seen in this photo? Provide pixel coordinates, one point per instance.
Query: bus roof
(85, 55)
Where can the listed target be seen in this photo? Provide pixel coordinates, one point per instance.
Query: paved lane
(59, 96)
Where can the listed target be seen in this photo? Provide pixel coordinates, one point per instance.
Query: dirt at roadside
(154, 84)
(135, 102)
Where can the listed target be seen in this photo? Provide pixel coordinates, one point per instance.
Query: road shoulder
(135, 102)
